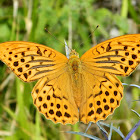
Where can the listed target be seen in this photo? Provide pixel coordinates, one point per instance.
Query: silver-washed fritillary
(75, 89)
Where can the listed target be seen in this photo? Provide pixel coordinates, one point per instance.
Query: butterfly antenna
(90, 34)
(56, 38)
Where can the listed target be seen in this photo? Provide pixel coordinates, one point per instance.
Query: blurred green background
(74, 21)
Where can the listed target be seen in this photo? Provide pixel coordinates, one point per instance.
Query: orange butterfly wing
(31, 61)
(52, 94)
(102, 90)
(119, 56)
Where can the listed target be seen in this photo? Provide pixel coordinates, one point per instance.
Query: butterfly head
(73, 53)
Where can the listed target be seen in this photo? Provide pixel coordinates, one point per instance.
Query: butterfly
(76, 89)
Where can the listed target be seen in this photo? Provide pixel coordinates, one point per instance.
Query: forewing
(31, 61)
(119, 55)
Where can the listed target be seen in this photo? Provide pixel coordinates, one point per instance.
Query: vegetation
(75, 22)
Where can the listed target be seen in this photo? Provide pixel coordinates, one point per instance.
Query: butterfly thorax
(74, 64)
